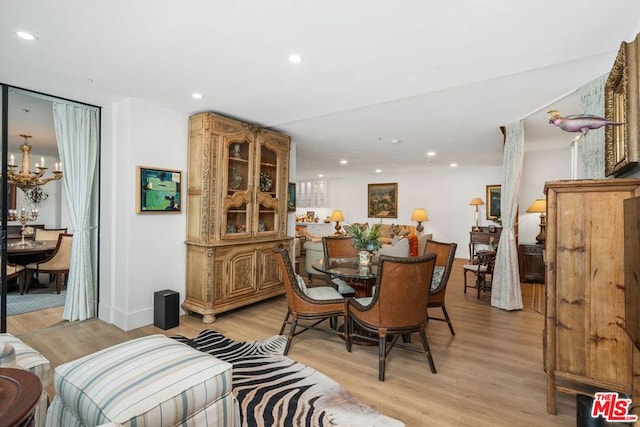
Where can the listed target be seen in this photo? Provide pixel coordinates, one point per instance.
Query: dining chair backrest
(445, 254)
(402, 290)
(292, 290)
(338, 247)
(60, 259)
(42, 234)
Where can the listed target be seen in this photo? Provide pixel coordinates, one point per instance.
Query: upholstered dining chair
(339, 247)
(14, 271)
(42, 234)
(482, 267)
(312, 305)
(445, 254)
(396, 308)
(46, 234)
(57, 263)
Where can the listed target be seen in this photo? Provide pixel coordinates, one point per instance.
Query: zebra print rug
(274, 390)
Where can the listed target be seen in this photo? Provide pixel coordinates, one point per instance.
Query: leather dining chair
(396, 309)
(445, 254)
(312, 305)
(339, 247)
(57, 263)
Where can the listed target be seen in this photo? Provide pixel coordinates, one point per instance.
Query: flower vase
(364, 258)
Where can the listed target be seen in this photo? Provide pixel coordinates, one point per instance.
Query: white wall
(140, 253)
(539, 167)
(445, 193)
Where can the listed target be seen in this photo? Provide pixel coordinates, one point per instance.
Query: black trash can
(166, 309)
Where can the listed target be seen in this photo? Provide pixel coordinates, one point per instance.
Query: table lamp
(419, 215)
(476, 201)
(540, 206)
(337, 217)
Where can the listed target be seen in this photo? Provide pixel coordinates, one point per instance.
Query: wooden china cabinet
(236, 212)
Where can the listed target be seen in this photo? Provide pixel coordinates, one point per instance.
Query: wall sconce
(540, 206)
(337, 217)
(419, 215)
(476, 201)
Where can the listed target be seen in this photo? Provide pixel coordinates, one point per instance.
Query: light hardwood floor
(489, 374)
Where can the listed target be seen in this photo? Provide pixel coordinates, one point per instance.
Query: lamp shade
(538, 206)
(337, 216)
(476, 201)
(419, 215)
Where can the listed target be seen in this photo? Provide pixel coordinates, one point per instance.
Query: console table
(483, 237)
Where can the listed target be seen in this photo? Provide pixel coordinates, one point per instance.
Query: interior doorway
(29, 117)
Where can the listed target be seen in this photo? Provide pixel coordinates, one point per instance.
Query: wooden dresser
(236, 212)
(585, 343)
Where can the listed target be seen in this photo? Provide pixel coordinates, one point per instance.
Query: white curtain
(77, 137)
(505, 289)
(592, 102)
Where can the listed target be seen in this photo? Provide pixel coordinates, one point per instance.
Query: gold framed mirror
(621, 104)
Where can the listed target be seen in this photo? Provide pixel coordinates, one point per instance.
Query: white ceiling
(437, 75)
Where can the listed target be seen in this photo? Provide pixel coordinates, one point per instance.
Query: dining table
(361, 278)
(31, 251)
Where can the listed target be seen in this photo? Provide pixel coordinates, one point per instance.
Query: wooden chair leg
(382, 356)
(465, 281)
(284, 322)
(292, 331)
(348, 327)
(446, 316)
(427, 350)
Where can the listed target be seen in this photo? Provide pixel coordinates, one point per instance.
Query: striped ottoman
(150, 381)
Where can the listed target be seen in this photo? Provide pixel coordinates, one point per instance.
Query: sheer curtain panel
(505, 290)
(77, 136)
(592, 102)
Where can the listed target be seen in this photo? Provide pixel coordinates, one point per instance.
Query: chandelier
(24, 178)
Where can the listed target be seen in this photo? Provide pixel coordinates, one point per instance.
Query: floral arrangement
(365, 239)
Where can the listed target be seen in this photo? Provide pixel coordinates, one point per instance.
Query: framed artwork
(382, 200)
(493, 202)
(622, 104)
(291, 197)
(158, 190)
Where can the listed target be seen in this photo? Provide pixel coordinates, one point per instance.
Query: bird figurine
(582, 123)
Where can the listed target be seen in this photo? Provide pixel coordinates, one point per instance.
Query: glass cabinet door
(237, 199)
(268, 191)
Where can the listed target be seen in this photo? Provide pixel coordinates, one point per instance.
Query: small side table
(20, 391)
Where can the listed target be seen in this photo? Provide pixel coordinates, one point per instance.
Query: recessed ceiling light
(26, 35)
(295, 59)
(196, 95)
(454, 165)
(343, 162)
(378, 170)
(431, 153)
(395, 141)
(320, 175)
